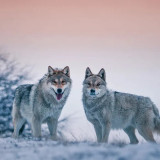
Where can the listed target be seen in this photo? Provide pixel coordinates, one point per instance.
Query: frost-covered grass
(78, 144)
(27, 149)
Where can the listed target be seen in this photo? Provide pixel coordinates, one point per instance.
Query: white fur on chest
(52, 111)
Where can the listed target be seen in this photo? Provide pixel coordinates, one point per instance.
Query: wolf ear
(102, 74)
(88, 73)
(50, 70)
(66, 71)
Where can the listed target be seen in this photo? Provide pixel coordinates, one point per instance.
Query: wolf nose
(59, 90)
(92, 91)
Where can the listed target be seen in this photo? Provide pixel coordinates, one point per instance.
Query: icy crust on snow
(50, 150)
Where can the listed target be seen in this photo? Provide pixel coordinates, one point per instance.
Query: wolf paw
(54, 138)
(36, 138)
(15, 136)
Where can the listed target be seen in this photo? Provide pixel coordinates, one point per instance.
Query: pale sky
(121, 36)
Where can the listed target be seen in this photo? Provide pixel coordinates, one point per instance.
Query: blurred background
(121, 36)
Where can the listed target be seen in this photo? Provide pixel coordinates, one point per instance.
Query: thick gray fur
(114, 110)
(37, 103)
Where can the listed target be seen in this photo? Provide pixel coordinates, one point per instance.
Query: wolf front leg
(106, 127)
(52, 126)
(36, 126)
(98, 130)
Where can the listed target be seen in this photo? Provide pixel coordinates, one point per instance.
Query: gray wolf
(108, 110)
(41, 102)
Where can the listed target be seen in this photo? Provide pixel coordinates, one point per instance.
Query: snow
(28, 149)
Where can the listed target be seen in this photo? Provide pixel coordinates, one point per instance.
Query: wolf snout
(59, 90)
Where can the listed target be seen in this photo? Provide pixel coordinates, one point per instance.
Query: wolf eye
(88, 83)
(63, 82)
(54, 82)
(98, 84)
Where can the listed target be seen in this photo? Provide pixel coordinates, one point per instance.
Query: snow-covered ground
(77, 143)
(25, 149)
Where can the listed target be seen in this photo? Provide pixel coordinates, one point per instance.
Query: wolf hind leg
(18, 125)
(146, 133)
(130, 131)
(157, 125)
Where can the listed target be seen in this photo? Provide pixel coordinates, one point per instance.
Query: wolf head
(94, 85)
(59, 82)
